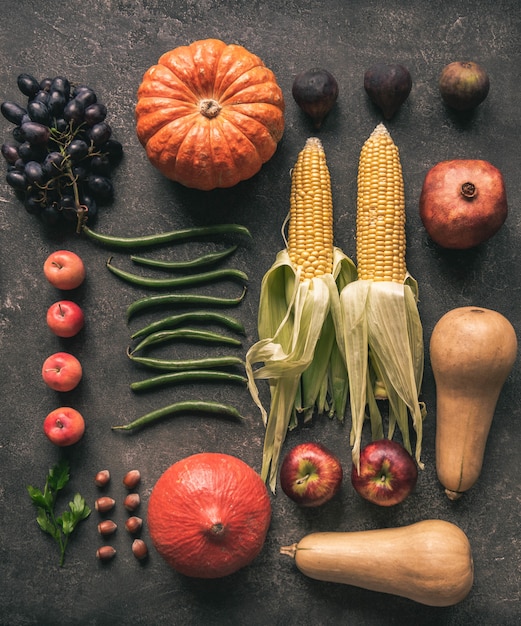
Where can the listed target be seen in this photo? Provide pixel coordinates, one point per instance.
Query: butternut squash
(429, 562)
(472, 352)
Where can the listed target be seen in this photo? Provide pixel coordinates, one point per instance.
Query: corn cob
(380, 221)
(382, 333)
(297, 352)
(310, 228)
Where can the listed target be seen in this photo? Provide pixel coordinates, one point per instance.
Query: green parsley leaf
(61, 527)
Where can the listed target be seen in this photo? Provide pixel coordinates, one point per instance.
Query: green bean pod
(205, 259)
(177, 378)
(185, 334)
(200, 317)
(177, 365)
(165, 237)
(182, 299)
(188, 406)
(179, 281)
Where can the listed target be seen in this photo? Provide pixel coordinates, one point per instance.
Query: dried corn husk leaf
(383, 346)
(297, 351)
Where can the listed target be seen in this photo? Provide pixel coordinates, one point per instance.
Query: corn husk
(382, 342)
(297, 351)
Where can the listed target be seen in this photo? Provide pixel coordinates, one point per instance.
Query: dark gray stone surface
(109, 44)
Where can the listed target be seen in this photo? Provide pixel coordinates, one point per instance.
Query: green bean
(188, 334)
(205, 259)
(180, 281)
(166, 237)
(176, 378)
(187, 406)
(186, 364)
(201, 317)
(182, 299)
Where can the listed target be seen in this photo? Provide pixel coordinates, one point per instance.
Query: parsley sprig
(60, 528)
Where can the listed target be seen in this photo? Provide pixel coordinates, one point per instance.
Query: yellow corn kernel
(380, 221)
(310, 229)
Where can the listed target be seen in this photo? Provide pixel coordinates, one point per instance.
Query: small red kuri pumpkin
(209, 114)
(208, 515)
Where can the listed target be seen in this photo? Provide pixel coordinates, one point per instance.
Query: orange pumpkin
(208, 515)
(209, 114)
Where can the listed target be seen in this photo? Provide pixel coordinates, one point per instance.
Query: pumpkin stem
(217, 529)
(209, 108)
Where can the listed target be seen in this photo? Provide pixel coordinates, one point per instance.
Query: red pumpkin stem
(217, 529)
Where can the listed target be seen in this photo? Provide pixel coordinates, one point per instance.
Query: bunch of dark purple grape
(63, 152)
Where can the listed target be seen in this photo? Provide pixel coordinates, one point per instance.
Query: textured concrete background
(109, 45)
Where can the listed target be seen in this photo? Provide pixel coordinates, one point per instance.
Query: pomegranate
(463, 203)
(208, 515)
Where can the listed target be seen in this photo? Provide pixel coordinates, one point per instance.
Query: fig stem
(468, 190)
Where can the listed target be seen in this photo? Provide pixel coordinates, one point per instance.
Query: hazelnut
(104, 504)
(105, 553)
(139, 549)
(107, 527)
(132, 479)
(133, 524)
(102, 478)
(132, 501)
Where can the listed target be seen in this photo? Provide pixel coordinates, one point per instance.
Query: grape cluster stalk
(62, 153)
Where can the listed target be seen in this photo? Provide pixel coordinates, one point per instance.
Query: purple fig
(463, 85)
(388, 85)
(315, 91)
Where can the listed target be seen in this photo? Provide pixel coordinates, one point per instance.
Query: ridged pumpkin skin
(209, 114)
(472, 351)
(208, 515)
(429, 562)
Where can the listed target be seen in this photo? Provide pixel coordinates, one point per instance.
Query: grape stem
(81, 209)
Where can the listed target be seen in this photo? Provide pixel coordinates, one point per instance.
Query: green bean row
(165, 237)
(188, 406)
(181, 299)
(185, 334)
(180, 281)
(175, 378)
(179, 371)
(199, 317)
(205, 259)
(176, 365)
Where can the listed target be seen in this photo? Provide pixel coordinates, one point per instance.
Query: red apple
(65, 318)
(64, 426)
(310, 474)
(62, 371)
(463, 203)
(64, 269)
(388, 473)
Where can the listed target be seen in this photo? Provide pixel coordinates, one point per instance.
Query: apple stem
(59, 423)
(302, 479)
(468, 190)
